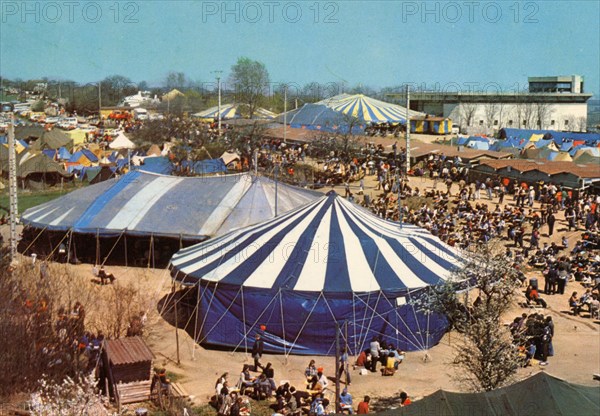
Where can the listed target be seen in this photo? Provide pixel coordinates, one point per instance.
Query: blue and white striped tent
(301, 273)
(369, 109)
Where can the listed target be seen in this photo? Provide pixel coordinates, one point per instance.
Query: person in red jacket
(404, 399)
(363, 407)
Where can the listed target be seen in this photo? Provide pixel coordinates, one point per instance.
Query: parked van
(140, 114)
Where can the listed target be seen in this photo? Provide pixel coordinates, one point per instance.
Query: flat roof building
(557, 103)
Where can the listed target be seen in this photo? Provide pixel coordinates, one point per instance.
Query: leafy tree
(485, 356)
(250, 80)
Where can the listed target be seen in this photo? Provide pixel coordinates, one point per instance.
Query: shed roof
(548, 167)
(128, 350)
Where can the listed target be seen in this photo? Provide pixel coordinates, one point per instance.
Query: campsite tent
(186, 209)
(326, 263)
(121, 142)
(538, 395)
(587, 155)
(35, 167)
(52, 139)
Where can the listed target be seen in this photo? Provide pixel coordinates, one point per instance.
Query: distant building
(561, 84)
(557, 103)
(142, 98)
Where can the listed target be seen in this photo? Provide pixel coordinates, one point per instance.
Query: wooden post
(337, 367)
(176, 324)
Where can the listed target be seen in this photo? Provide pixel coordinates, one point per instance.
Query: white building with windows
(556, 103)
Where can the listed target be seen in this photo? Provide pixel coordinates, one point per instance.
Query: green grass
(28, 199)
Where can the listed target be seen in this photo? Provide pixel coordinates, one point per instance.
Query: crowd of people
(315, 396)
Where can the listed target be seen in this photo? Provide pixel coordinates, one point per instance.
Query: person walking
(551, 219)
(257, 351)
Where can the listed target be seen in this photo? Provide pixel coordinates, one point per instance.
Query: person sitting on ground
(221, 382)
(103, 275)
(533, 296)
(314, 388)
(574, 303)
(346, 402)
(404, 399)
(311, 370)
(246, 380)
(594, 306)
(363, 359)
(321, 408)
(322, 378)
(269, 373)
(262, 387)
(363, 407)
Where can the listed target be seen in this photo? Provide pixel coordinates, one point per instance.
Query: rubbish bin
(534, 283)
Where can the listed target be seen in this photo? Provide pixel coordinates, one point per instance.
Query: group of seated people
(589, 301)
(314, 399)
(380, 352)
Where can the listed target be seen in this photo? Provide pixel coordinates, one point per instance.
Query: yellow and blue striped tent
(369, 109)
(228, 111)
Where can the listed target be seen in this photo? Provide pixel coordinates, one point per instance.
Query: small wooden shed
(129, 361)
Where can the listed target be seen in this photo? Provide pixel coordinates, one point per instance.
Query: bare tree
(543, 111)
(502, 110)
(582, 123)
(467, 112)
(529, 115)
(569, 122)
(491, 113)
(485, 357)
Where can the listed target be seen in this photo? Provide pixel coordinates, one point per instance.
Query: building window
(495, 122)
(510, 122)
(524, 122)
(481, 122)
(552, 123)
(566, 123)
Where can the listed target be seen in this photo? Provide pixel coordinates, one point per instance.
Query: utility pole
(100, 100)
(219, 93)
(284, 113)
(407, 130)
(12, 188)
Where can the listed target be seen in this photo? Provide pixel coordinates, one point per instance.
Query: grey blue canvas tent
(151, 206)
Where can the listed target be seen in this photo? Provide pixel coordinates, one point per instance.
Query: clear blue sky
(377, 44)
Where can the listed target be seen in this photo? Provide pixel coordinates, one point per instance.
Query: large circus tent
(299, 277)
(344, 112)
(369, 109)
(149, 216)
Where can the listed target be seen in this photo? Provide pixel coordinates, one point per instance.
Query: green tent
(538, 395)
(53, 139)
(30, 131)
(29, 162)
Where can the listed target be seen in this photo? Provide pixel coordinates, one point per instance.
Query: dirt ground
(576, 341)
